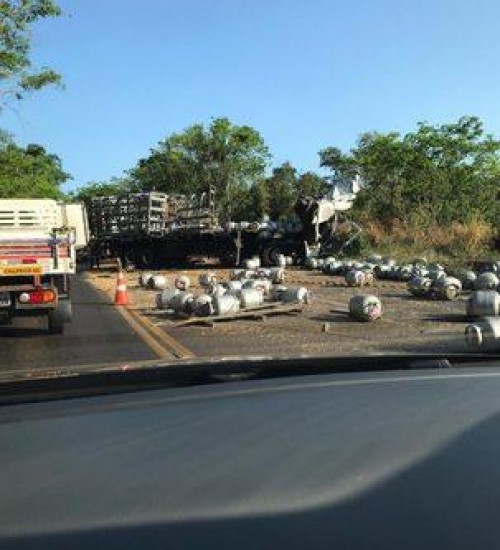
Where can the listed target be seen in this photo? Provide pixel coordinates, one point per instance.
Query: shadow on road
(22, 332)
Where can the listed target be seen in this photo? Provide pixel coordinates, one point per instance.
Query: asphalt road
(97, 334)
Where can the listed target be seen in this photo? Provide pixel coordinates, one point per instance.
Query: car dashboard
(402, 459)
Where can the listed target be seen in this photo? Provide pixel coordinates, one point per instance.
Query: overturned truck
(153, 229)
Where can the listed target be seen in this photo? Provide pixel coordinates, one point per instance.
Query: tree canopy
(222, 155)
(17, 75)
(115, 186)
(448, 172)
(282, 190)
(29, 172)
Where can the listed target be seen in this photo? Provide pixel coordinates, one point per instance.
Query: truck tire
(59, 316)
(270, 253)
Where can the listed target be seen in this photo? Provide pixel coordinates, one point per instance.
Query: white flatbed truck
(38, 243)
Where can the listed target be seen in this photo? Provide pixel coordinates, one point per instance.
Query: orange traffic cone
(121, 296)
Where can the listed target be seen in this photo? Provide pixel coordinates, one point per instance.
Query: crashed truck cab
(322, 217)
(38, 242)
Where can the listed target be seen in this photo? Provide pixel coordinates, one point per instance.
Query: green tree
(92, 189)
(456, 168)
(29, 172)
(310, 184)
(383, 159)
(282, 189)
(339, 163)
(228, 157)
(17, 75)
(443, 173)
(258, 201)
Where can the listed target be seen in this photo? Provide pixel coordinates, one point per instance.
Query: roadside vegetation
(454, 245)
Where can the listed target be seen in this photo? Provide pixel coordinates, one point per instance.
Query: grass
(453, 245)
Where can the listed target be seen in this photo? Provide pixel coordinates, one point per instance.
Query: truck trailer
(153, 229)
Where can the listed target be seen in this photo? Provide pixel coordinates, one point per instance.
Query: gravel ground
(407, 325)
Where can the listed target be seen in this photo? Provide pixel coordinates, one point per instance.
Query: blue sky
(306, 74)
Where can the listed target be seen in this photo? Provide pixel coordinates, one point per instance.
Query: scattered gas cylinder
(335, 268)
(251, 297)
(203, 306)
(383, 271)
(299, 295)
(405, 273)
(277, 275)
(236, 274)
(216, 289)
(447, 288)
(163, 299)
(420, 272)
(435, 272)
(227, 304)
(365, 308)
(263, 273)
(483, 303)
(467, 277)
(484, 333)
(264, 285)
(355, 277)
(144, 279)
(207, 279)
(276, 294)
(234, 286)
(181, 302)
(157, 282)
(486, 281)
(252, 263)
(182, 282)
(420, 286)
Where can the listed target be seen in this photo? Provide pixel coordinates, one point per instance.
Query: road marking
(182, 351)
(167, 342)
(155, 346)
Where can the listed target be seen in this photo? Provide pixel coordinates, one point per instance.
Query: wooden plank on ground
(259, 312)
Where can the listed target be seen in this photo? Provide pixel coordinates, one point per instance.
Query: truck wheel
(59, 316)
(270, 254)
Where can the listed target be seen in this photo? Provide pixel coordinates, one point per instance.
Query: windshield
(225, 179)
